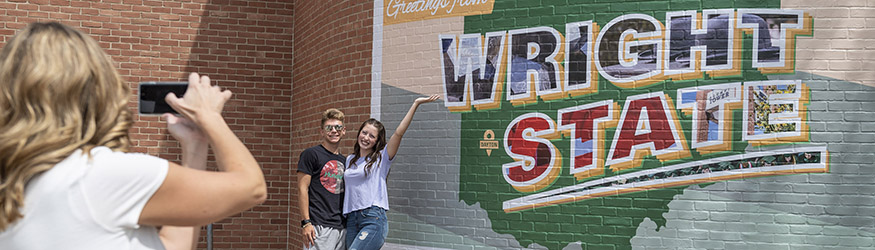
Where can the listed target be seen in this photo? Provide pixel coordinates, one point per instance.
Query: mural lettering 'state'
(639, 106)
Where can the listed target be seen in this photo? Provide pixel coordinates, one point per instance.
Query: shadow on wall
(246, 46)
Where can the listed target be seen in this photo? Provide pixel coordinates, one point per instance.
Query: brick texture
(287, 61)
(245, 46)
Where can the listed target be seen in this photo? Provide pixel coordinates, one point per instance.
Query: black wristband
(305, 222)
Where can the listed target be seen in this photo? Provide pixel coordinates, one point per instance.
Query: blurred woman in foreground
(66, 179)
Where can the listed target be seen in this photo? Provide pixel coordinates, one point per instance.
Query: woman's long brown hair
(59, 92)
(374, 156)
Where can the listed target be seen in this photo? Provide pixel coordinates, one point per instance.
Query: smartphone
(151, 101)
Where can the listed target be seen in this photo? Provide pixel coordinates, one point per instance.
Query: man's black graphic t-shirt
(326, 185)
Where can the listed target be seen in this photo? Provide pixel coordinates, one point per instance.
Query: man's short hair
(332, 114)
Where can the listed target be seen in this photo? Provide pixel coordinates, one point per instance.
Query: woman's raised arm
(193, 197)
(395, 140)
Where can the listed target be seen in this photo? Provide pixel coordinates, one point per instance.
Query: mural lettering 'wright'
(581, 129)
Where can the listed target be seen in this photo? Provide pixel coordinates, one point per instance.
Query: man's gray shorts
(328, 238)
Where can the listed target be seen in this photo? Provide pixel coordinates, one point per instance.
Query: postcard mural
(579, 120)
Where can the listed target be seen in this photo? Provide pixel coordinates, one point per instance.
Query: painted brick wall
(245, 46)
(289, 61)
(442, 195)
(332, 65)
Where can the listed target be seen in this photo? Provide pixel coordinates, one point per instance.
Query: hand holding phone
(201, 98)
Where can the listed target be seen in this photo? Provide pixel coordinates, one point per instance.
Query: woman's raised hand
(431, 98)
(201, 97)
(190, 137)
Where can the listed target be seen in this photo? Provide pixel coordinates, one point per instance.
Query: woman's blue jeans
(366, 229)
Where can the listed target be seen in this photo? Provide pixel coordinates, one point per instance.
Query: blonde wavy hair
(59, 92)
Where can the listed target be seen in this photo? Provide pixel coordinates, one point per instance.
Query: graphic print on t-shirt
(332, 176)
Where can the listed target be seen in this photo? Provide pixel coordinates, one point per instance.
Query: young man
(320, 187)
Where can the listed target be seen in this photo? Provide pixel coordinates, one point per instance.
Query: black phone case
(151, 96)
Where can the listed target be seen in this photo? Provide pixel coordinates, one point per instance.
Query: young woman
(66, 180)
(366, 201)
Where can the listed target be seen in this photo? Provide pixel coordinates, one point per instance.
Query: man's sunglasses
(335, 127)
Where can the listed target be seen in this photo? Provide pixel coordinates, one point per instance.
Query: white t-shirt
(364, 191)
(89, 204)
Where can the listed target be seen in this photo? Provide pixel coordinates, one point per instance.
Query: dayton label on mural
(639, 103)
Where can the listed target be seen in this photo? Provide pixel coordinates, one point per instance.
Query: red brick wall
(245, 46)
(332, 65)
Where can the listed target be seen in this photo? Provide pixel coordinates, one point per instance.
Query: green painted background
(601, 223)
